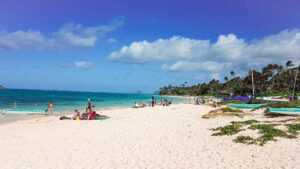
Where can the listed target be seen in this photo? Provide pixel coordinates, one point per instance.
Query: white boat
(275, 99)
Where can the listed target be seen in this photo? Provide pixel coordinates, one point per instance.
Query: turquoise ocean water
(22, 101)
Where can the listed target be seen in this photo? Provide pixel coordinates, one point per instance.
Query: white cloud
(162, 49)
(215, 76)
(69, 35)
(190, 66)
(83, 64)
(22, 39)
(228, 52)
(229, 47)
(180, 48)
(284, 45)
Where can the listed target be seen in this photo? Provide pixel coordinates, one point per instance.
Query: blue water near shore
(22, 101)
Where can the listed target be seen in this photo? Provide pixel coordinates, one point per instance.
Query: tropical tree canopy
(273, 79)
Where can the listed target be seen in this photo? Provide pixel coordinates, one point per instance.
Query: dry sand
(8, 117)
(152, 138)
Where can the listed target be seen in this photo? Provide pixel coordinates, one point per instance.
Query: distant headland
(2, 87)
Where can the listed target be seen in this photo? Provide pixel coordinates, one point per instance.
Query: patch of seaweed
(226, 111)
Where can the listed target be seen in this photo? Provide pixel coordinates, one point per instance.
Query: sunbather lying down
(84, 116)
(139, 105)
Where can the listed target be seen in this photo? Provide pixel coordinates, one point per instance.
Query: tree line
(273, 79)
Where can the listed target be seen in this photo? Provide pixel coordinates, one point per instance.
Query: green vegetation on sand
(228, 130)
(293, 128)
(233, 128)
(267, 132)
(226, 111)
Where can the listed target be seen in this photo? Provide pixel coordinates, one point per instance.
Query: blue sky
(125, 46)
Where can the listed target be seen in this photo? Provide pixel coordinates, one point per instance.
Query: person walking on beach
(50, 108)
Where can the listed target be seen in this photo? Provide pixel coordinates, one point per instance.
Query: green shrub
(247, 122)
(228, 130)
(244, 140)
(293, 128)
(228, 109)
(269, 133)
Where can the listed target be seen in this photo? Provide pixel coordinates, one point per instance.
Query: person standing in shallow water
(153, 101)
(50, 108)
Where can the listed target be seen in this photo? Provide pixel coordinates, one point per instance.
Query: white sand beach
(174, 137)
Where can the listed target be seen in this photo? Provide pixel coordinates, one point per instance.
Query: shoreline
(62, 102)
(14, 116)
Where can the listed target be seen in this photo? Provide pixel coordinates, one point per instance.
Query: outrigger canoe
(275, 99)
(238, 98)
(285, 111)
(245, 106)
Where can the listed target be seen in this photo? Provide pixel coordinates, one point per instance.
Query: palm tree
(226, 78)
(269, 73)
(289, 63)
(232, 73)
(278, 71)
(289, 73)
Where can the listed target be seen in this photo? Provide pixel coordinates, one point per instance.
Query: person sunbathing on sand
(77, 115)
(139, 105)
(84, 116)
(89, 114)
(92, 115)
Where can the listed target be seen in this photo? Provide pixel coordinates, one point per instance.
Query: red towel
(92, 115)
